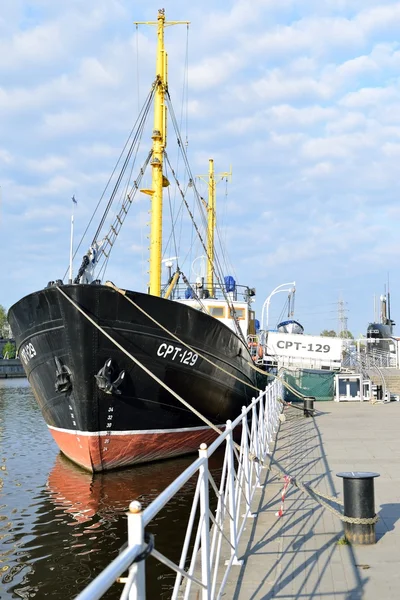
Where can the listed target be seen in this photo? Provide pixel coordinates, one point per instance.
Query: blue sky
(302, 98)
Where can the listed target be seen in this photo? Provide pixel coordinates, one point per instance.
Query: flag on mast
(73, 199)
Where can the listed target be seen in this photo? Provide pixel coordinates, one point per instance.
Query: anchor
(103, 379)
(63, 377)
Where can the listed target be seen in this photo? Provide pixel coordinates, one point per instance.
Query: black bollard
(309, 406)
(359, 503)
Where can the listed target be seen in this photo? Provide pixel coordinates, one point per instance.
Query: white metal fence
(210, 546)
(301, 362)
(378, 352)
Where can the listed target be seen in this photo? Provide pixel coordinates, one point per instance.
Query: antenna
(375, 317)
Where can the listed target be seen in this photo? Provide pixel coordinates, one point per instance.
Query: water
(59, 525)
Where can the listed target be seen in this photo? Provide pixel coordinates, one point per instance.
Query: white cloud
(366, 97)
(47, 164)
(55, 39)
(295, 116)
(215, 71)
(32, 47)
(6, 157)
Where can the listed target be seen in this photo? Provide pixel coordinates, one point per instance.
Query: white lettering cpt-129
(177, 354)
(27, 352)
(307, 347)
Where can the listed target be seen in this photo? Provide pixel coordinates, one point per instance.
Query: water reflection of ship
(83, 495)
(98, 503)
(80, 525)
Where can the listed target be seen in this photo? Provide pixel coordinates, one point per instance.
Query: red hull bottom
(104, 451)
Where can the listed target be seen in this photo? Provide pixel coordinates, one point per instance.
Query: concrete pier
(300, 555)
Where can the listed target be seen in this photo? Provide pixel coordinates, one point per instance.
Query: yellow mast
(159, 144)
(211, 220)
(210, 227)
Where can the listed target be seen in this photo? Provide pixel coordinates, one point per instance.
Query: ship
(125, 377)
(380, 335)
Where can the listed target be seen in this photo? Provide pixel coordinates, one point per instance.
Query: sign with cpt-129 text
(305, 346)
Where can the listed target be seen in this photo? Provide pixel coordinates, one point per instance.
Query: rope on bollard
(313, 493)
(319, 497)
(285, 403)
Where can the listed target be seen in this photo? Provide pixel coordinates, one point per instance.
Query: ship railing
(211, 544)
(302, 362)
(237, 293)
(383, 359)
(365, 364)
(371, 357)
(382, 352)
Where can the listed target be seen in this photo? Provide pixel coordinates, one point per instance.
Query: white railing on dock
(210, 547)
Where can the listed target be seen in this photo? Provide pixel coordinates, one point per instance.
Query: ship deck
(297, 556)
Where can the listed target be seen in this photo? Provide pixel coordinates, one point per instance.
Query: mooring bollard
(359, 503)
(309, 406)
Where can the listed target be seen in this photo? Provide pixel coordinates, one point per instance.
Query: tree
(328, 333)
(4, 328)
(346, 335)
(9, 350)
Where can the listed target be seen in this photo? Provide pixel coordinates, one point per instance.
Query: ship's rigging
(95, 261)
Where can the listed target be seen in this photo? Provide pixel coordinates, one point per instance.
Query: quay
(301, 555)
(10, 368)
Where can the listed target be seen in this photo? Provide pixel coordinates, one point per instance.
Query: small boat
(125, 377)
(290, 326)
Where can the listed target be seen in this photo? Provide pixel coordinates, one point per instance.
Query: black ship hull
(103, 410)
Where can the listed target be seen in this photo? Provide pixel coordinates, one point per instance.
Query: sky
(300, 98)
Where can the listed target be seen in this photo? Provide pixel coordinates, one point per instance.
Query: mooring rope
(123, 293)
(283, 382)
(277, 469)
(146, 370)
(140, 364)
(265, 373)
(202, 356)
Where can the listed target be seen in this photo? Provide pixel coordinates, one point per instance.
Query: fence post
(232, 499)
(246, 461)
(254, 438)
(205, 532)
(136, 536)
(269, 389)
(261, 425)
(275, 411)
(265, 425)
